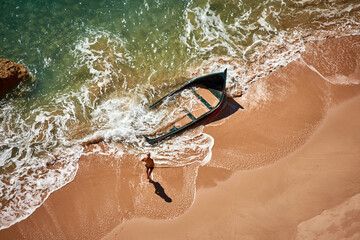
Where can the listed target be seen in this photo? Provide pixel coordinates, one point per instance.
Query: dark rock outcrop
(11, 74)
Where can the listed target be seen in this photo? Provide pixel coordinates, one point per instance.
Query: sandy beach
(285, 165)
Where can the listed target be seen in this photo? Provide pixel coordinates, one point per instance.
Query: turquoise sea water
(99, 64)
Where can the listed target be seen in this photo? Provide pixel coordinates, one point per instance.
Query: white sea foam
(207, 27)
(344, 80)
(270, 48)
(104, 105)
(28, 145)
(32, 143)
(128, 119)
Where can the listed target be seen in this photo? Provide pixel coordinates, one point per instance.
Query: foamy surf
(113, 75)
(28, 146)
(39, 155)
(127, 119)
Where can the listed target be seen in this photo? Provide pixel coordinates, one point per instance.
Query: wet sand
(317, 183)
(285, 165)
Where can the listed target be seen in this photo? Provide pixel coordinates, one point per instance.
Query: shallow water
(99, 64)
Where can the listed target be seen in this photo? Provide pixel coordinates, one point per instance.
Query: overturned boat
(193, 101)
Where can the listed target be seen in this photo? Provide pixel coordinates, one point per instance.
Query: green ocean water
(99, 64)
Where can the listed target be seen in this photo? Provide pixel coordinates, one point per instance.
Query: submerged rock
(11, 74)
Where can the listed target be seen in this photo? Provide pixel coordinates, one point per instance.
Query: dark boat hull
(211, 94)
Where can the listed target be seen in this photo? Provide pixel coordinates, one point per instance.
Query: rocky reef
(11, 74)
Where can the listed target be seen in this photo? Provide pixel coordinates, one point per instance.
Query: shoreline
(282, 116)
(284, 186)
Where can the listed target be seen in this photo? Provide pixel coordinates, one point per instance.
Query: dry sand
(285, 165)
(317, 183)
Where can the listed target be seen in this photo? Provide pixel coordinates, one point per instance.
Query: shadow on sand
(229, 107)
(159, 190)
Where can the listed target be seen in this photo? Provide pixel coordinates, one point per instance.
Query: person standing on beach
(149, 164)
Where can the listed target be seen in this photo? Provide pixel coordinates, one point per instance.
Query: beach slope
(285, 165)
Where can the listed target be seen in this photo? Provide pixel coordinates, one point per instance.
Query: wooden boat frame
(215, 78)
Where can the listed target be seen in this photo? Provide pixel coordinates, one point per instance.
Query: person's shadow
(159, 190)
